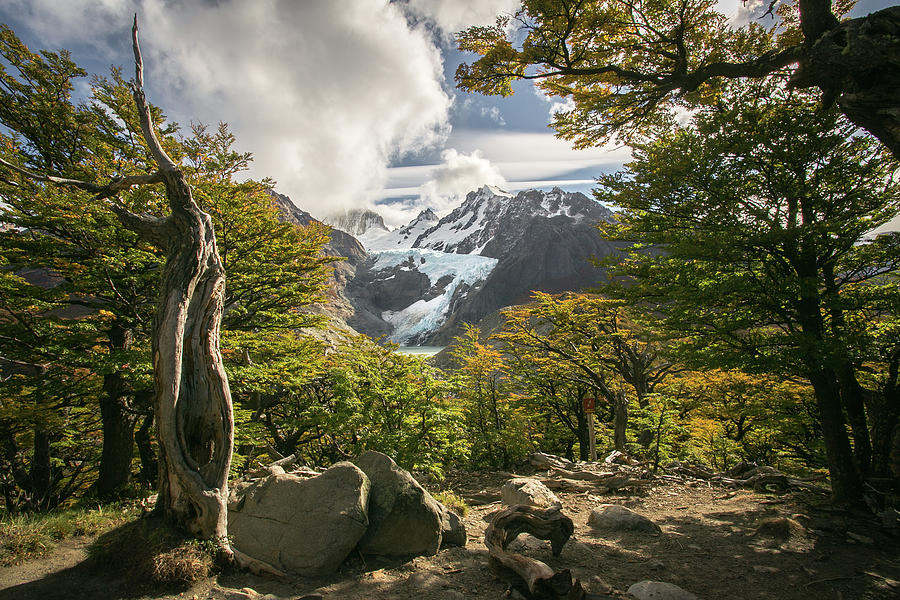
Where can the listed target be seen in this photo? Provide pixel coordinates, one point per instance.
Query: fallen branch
(531, 577)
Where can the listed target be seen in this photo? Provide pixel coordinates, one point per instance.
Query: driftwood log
(532, 578)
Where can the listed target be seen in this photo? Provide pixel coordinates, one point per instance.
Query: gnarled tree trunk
(194, 421)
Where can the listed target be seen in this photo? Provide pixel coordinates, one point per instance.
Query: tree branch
(165, 163)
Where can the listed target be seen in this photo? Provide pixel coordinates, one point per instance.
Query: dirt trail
(708, 546)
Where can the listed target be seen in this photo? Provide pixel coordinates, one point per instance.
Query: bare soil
(711, 545)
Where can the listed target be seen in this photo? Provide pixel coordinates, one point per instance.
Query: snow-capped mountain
(376, 239)
(429, 277)
(357, 222)
(490, 220)
(419, 283)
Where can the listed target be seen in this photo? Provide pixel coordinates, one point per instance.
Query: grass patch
(24, 537)
(453, 501)
(153, 554)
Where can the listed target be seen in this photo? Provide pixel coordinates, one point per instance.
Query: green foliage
(355, 396)
(453, 501)
(497, 422)
(751, 249)
(625, 65)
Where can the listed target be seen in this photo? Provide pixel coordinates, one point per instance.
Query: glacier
(425, 316)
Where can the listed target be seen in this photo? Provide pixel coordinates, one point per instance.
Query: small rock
(453, 595)
(579, 547)
(659, 590)
(220, 593)
(765, 569)
(619, 518)
(657, 564)
(526, 490)
(528, 542)
(453, 531)
(599, 585)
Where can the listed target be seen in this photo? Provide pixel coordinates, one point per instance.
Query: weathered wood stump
(532, 578)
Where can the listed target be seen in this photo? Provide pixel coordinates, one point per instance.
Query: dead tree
(195, 424)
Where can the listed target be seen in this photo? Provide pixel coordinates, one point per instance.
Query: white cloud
(454, 15)
(456, 176)
(518, 147)
(741, 12)
(323, 93)
(494, 114)
(557, 104)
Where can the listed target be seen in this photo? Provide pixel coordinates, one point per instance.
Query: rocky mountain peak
(491, 221)
(357, 221)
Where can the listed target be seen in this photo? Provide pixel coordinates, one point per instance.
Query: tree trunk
(846, 485)
(853, 63)
(41, 471)
(194, 422)
(118, 437)
(852, 398)
(149, 472)
(620, 421)
(118, 423)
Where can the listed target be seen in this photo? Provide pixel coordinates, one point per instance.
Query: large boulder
(618, 518)
(526, 490)
(404, 519)
(307, 526)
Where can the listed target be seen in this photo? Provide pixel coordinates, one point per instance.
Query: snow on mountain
(490, 219)
(420, 282)
(357, 222)
(447, 273)
(376, 239)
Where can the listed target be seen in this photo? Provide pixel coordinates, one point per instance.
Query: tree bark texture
(620, 422)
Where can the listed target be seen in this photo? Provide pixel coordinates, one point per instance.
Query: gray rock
(618, 518)
(307, 526)
(404, 519)
(528, 543)
(526, 490)
(453, 532)
(658, 590)
(220, 593)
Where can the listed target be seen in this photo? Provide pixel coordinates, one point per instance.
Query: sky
(346, 104)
